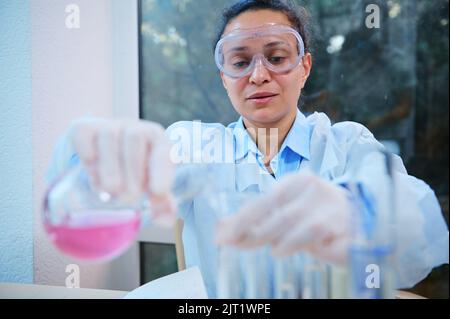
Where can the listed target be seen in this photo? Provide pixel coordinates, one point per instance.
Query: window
(157, 260)
(179, 80)
(393, 79)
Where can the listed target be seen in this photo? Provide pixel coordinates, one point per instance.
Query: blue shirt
(294, 149)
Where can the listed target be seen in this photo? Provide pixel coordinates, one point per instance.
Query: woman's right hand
(130, 158)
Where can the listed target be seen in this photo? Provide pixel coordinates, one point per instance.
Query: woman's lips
(262, 98)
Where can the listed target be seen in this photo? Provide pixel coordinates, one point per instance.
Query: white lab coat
(334, 151)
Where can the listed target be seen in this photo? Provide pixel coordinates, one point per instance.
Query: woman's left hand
(304, 212)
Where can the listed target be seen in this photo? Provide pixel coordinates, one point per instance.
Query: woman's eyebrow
(268, 45)
(275, 43)
(237, 49)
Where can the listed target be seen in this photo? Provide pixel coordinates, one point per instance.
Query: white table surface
(28, 291)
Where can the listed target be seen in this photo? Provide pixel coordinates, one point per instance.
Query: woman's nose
(260, 74)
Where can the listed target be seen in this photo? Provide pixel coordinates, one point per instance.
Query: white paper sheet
(186, 284)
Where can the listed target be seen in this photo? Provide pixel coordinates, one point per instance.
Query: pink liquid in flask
(95, 235)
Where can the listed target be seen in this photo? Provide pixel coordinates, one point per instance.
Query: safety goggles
(279, 48)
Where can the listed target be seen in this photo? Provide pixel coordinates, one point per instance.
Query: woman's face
(286, 88)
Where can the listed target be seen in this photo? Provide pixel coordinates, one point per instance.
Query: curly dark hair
(297, 15)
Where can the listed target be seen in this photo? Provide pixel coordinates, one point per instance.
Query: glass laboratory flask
(87, 224)
(91, 225)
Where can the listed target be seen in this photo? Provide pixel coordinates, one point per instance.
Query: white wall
(74, 76)
(51, 75)
(16, 236)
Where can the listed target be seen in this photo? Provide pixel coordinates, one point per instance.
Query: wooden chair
(179, 245)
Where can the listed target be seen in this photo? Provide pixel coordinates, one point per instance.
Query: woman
(263, 54)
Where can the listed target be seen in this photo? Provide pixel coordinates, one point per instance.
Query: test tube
(229, 284)
(286, 278)
(256, 273)
(315, 280)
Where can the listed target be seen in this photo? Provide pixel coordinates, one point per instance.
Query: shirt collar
(297, 140)
(244, 142)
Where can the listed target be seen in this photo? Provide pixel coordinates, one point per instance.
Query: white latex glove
(130, 158)
(304, 212)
